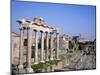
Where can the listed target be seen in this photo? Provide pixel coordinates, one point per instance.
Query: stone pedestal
(48, 69)
(20, 69)
(29, 70)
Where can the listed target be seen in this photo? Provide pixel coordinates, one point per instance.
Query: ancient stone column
(12, 50)
(51, 46)
(42, 47)
(47, 46)
(36, 48)
(29, 69)
(21, 51)
(57, 44)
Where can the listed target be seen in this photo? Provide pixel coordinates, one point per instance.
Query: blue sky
(70, 19)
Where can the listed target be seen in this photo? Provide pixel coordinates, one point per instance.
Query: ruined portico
(37, 25)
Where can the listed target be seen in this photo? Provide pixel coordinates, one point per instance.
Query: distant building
(64, 42)
(15, 47)
(79, 39)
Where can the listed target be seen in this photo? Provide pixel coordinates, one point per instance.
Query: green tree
(71, 45)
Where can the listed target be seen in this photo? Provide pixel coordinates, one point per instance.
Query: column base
(42, 61)
(47, 59)
(35, 62)
(29, 70)
(58, 59)
(51, 58)
(20, 69)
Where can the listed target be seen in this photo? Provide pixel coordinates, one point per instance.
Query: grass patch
(38, 67)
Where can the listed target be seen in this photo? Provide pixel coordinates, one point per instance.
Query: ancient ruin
(38, 26)
(47, 47)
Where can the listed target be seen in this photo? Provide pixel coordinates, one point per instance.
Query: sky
(71, 19)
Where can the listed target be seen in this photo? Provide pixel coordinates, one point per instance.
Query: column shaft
(29, 32)
(21, 46)
(12, 50)
(47, 46)
(57, 42)
(42, 47)
(51, 46)
(36, 48)
(21, 51)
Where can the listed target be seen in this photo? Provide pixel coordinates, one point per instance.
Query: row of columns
(29, 36)
(47, 47)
